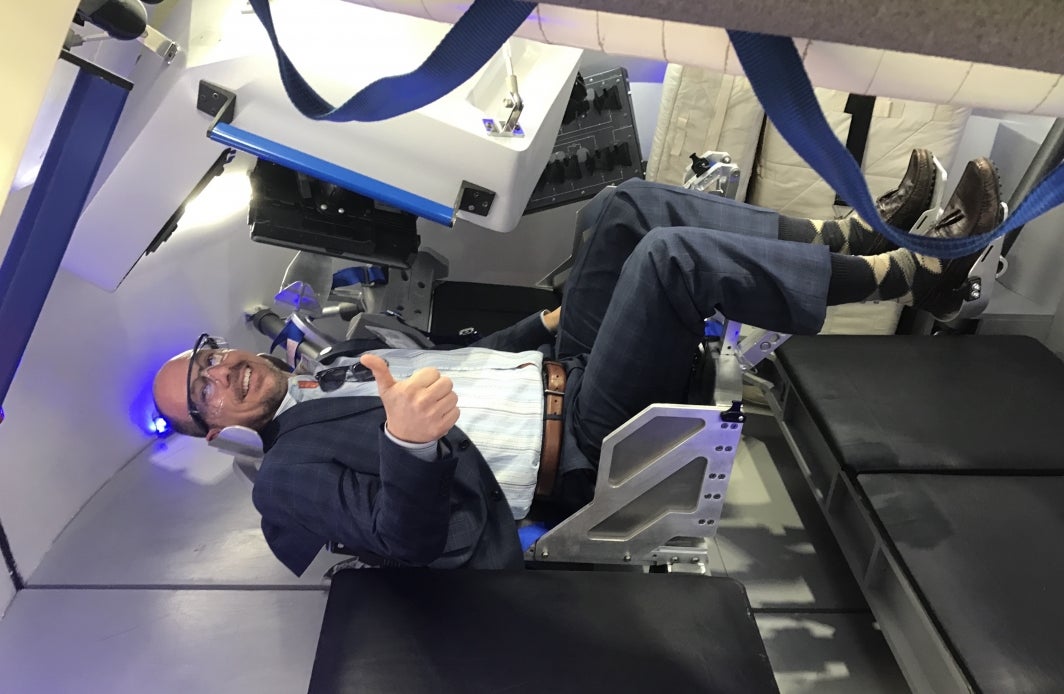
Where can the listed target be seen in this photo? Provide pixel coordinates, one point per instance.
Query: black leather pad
(528, 632)
(486, 307)
(987, 555)
(885, 403)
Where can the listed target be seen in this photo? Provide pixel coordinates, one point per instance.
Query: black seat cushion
(406, 630)
(986, 553)
(486, 307)
(985, 403)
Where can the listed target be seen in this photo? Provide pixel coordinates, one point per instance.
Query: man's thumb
(381, 374)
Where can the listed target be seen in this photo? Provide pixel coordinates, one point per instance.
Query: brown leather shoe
(973, 210)
(902, 206)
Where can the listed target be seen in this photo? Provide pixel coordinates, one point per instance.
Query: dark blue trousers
(659, 260)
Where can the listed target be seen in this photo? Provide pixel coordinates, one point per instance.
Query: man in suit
(394, 474)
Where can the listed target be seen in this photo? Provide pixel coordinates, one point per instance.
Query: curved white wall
(31, 34)
(79, 397)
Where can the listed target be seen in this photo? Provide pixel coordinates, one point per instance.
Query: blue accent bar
(52, 211)
(269, 150)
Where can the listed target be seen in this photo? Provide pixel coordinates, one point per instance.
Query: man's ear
(212, 434)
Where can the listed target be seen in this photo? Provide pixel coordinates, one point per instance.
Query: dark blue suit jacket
(331, 474)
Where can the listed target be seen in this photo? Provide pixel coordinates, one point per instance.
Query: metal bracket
(151, 39)
(728, 381)
(159, 44)
(758, 345)
(659, 495)
(216, 101)
(978, 287)
(720, 176)
(513, 104)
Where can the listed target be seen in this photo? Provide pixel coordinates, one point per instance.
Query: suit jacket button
(496, 494)
(463, 444)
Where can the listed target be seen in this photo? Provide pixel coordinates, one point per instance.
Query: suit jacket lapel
(315, 412)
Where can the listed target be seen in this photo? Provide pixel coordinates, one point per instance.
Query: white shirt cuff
(543, 313)
(421, 451)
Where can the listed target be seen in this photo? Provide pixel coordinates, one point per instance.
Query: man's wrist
(424, 451)
(549, 319)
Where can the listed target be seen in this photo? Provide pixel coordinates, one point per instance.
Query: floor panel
(164, 642)
(177, 515)
(179, 518)
(772, 536)
(829, 653)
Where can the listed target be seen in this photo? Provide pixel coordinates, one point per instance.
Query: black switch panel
(597, 144)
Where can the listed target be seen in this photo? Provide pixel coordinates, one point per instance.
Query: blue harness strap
(289, 332)
(775, 71)
(360, 275)
(470, 43)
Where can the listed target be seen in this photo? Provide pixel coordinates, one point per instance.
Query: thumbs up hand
(421, 408)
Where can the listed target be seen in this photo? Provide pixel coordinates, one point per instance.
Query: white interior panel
(79, 402)
(341, 48)
(31, 34)
(7, 591)
(177, 515)
(160, 641)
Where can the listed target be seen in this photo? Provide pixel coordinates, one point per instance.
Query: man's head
(204, 390)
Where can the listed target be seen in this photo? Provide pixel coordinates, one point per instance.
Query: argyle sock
(895, 275)
(849, 236)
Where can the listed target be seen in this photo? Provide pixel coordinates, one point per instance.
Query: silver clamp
(719, 177)
(976, 290)
(508, 125)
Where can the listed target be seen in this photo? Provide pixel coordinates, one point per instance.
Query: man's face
(226, 387)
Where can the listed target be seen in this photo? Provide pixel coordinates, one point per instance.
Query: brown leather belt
(553, 391)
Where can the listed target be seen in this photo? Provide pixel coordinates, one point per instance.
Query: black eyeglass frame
(210, 342)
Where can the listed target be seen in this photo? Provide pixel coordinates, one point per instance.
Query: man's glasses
(201, 387)
(331, 379)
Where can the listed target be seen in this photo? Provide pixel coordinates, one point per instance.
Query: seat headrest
(242, 442)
